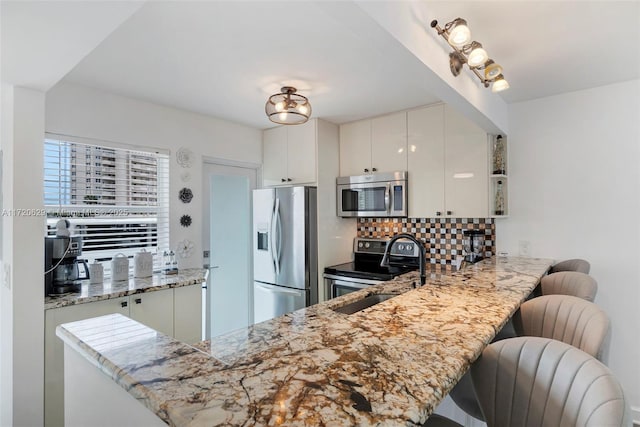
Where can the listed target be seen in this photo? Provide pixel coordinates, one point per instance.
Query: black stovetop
(368, 270)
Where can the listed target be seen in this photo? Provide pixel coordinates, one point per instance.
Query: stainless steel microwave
(373, 195)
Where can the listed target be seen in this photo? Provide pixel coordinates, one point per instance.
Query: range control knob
(409, 248)
(360, 244)
(401, 247)
(366, 245)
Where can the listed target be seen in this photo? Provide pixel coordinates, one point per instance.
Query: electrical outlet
(524, 248)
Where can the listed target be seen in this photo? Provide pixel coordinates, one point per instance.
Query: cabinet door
(154, 309)
(301, 149)
(355, 148)
(389, 143)
(274, 156)
(187, 313)
(466, 167)
(54, 350)
(426, 162)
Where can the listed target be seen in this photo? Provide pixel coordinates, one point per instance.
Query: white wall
(574, 178)
(89, 113)
(22, 338)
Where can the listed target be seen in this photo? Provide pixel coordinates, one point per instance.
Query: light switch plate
(205, 254)
(524, 248)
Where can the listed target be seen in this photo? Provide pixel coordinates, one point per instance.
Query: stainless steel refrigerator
(285, 251)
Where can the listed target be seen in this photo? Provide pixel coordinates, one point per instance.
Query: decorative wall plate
(185, 195)
(185, 248)
(185, 220)
(184, 157)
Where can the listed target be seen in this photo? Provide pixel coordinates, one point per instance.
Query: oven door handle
(387, 198)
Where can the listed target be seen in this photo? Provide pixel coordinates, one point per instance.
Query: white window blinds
(116, 199)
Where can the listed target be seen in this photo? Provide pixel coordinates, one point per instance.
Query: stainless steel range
(365, 270)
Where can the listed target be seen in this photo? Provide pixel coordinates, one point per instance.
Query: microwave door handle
(272, 245)
(387, 198)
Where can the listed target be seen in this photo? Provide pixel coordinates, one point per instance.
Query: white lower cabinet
(176, 312)
(187, 314)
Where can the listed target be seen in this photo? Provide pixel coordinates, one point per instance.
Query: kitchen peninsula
(389, 364)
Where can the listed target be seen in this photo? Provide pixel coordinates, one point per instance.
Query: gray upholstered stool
(565, 318)
(436, 420)
(580, 285)
(545, 382)
(576, 264)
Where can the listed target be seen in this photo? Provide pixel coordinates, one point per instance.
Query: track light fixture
(465, 51)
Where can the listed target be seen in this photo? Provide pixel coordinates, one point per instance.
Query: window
(120, 205)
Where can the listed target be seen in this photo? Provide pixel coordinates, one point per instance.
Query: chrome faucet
(423, 254)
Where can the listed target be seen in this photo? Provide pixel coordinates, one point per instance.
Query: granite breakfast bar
(390, 364)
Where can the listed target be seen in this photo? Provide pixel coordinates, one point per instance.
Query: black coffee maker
(62, 266)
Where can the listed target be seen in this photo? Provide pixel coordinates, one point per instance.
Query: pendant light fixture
(465, 51)
(288, 107)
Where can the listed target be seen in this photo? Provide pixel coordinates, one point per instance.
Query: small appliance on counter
(143, 264)
(61, 263)
(365, 270)
(473, 243)
(119, 268)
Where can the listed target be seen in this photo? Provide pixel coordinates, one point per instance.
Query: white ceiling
(224, 58)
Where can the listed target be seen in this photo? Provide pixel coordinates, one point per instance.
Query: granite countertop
(102, 291)
(390, 364)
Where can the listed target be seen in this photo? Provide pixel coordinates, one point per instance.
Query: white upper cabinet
(355, 148)
(466, 167)
(389, 143)
(374, 145)
(426, 162)
(448, 161)
(289, 155)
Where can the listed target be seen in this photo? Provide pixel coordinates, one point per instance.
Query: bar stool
(545, 382)
(574, 283)
(576, 264)
(565, 318)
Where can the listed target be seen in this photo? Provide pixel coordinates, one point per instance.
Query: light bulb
(303, 109)
(492, 70)
(459, 35)
(280, 106)
(499, 85)
(477, 57)
(282, 117)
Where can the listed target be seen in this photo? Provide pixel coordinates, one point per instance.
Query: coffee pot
(473, 245)
(69, 271)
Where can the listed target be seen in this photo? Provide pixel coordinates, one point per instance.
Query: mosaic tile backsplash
(443, 236)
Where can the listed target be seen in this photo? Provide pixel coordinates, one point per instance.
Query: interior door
(227, 233)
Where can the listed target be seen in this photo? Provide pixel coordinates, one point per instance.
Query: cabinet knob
(366, 170)
(138, 300)
(289, 179)
(449, 213)
(438, 213)
(374, 169)
(283, 180)
(123, 304)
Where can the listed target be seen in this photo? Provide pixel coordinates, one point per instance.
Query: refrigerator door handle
(387, 198)
(274, 250)
(278, 236)
(280, 290)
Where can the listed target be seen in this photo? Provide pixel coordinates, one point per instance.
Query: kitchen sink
(363, 303)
